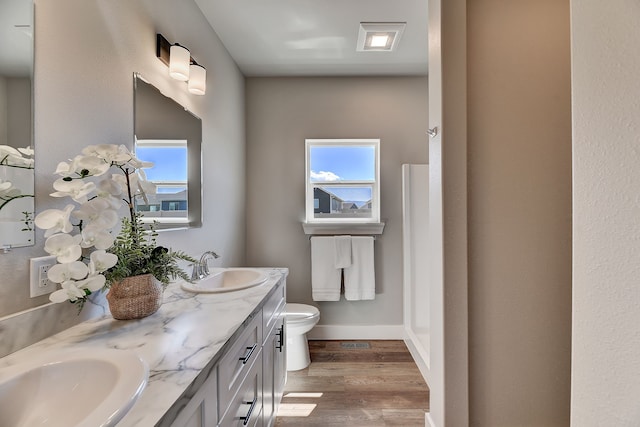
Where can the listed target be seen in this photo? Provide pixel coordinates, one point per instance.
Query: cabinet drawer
(245, 407)
(237, 361)
(272, 308)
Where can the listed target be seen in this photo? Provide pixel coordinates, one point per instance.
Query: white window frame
(310, 185)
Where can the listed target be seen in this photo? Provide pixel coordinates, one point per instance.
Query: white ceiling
(317, 37)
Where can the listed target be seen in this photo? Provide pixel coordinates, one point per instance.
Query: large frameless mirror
(170, 136)
(16, 124)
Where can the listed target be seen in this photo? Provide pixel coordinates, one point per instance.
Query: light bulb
(197, 79)
(179, 59)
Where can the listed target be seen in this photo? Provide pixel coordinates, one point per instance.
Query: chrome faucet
(201, 268)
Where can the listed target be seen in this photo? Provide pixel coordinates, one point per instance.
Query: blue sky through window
(170, 163)
(344, 163)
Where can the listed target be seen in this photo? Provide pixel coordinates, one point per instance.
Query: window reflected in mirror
(170, 137)
(169, 174)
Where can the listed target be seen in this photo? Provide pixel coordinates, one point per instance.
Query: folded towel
(343, 251)
(359, 279)
(325, 277)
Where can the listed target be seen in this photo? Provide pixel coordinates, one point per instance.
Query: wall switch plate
(39, 284)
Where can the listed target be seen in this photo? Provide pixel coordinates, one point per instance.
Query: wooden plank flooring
(376, 386)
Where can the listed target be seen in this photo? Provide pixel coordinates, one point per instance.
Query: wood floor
(347, 385)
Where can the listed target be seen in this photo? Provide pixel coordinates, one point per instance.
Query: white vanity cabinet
(240, 378)
(273, 355)
(202, 409)
(245, 386)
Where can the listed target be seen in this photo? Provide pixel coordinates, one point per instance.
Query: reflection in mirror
(16, 135)
(171, 137)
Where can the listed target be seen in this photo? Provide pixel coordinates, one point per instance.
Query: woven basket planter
(135, 297)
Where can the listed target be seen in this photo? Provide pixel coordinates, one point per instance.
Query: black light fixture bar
(163, 48)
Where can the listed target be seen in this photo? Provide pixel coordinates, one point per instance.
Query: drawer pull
(248, 354)
(245, 419)
(280, 343)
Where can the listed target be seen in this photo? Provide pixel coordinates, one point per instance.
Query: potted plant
(81, 236)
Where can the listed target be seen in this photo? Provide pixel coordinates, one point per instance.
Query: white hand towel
(359, 279)
(343, 251)
(325, 277)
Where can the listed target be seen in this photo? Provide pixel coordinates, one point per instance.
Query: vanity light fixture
(379, 36)
(197, 79)
(181, 65)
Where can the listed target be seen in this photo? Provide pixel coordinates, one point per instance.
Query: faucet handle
(196, 273)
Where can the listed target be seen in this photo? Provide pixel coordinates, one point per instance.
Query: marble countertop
(177, 342)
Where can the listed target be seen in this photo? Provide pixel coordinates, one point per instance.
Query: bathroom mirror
(170, 136)
(16, 124)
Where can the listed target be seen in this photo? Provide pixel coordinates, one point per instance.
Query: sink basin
(227, 280)
(82, 388)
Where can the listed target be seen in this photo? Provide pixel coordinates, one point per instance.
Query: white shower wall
(415, 228)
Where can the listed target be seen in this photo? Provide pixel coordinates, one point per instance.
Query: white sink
(227, 280)
(82, 388)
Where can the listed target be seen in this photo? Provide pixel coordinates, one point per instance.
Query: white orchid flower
(64, 247)
(93, 282)
(73, 291)
(65, 169)
(138, 185)
(55, 221)
(78, 190)
(26, 151)
(110, 153)
(146, 187)
(82, 166)
(76, 270)
(6, 188)
(135, 163)
(97, 213)
(7, 150)
(101, 261)
(10, 156)
(92, 165)
(97, 237)
(110, 190)
(70, 291)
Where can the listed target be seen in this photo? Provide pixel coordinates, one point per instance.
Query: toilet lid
(301, 312)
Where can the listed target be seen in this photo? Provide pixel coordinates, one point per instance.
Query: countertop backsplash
(22, 329)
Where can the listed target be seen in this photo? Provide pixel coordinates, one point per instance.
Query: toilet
(300, 319)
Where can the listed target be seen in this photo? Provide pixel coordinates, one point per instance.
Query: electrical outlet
(39, 267)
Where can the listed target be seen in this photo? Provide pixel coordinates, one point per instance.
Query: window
(169, 173)
(343, 177)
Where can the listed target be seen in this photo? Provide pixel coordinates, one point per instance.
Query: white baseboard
(356, 332)
(418, 354)
(428, 422)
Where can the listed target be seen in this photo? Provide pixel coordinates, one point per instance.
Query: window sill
(354, 228)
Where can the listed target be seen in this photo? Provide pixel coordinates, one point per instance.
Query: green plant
(138, 253)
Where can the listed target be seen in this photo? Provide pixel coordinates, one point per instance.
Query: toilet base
(297, 352)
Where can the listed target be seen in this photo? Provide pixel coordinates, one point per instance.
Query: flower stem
(132, 212)
(6, 201)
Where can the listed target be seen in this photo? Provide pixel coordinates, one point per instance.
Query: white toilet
(300, 319)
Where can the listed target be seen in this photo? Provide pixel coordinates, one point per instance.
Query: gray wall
(104, 43)
(519, 212)
(281, 113)
(606, 136)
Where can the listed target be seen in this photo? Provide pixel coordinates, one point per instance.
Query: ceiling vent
(379, 36)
